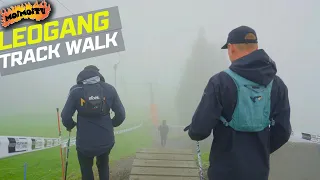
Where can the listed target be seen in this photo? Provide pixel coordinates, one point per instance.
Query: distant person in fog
(164, 130)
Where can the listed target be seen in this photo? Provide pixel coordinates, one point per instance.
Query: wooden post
(153, 106)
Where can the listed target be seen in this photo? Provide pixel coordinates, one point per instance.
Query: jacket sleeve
(280, 133)
(69, 110)
(207, 113)
(118, 110)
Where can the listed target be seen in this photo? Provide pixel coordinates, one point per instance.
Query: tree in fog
(202, 64)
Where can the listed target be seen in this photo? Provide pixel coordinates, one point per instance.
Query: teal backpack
(252, 112)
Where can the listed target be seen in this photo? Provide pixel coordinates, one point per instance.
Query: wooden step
(137, 177)
(166, 151)
(161, 171)
(174, 157)
(164, 163)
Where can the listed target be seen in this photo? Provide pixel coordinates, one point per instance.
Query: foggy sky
(158, 36)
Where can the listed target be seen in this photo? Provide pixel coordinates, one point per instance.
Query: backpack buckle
(273, 122)
(224, 121)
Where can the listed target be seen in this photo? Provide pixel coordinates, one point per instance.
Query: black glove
(186, 128)
(73, 125)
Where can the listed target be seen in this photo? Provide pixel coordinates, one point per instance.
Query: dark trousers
(86, 164)
(163, 140)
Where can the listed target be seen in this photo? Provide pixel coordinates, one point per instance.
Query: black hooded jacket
(95, 135)
(241, 155)
(88, 73)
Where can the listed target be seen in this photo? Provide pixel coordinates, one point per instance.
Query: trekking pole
(198, 154)
(199, 161)
(61, 156)
(67, 157)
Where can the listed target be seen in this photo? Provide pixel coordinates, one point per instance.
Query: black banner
(33, 146)
(17, 145)
(306, 136)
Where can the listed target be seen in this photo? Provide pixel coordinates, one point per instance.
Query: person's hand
(73, 125)
(186, 128)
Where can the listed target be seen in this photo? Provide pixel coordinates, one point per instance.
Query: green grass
(205, 163)
(39, 125)
(204, 159)
(46, 164)
(46, 125)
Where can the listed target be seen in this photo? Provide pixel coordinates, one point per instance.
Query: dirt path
(182, 141)
(121, 169)
(296, 161)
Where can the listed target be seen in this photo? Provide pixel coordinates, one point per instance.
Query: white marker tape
(15, 145)
(295, 136)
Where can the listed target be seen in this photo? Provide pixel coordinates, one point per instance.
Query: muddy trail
(121, 169)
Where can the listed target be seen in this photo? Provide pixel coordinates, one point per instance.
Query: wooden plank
(137, 177)
(160, 171)
(174, 157)
(166, 151)
(164, 163)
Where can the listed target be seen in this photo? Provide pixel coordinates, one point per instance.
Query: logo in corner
(250, 36)
(14, 14)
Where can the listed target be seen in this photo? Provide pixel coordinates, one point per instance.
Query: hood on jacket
(92, 80)
(89, 77)
(256, 66)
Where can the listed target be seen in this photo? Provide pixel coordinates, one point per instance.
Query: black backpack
(93, 102)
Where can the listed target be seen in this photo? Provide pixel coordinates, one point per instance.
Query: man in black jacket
(236, 154)
(92, 98)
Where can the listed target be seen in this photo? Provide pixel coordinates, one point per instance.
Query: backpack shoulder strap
(239, 80)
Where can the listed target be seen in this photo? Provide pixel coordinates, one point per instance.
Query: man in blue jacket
(92, 98)
(247, 109)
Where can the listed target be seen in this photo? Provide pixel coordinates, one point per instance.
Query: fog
(159, 36)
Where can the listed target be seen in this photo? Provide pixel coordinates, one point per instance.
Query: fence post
(25, 172)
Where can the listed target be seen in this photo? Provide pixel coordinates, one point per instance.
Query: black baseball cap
(241, 35)
(91, 67)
